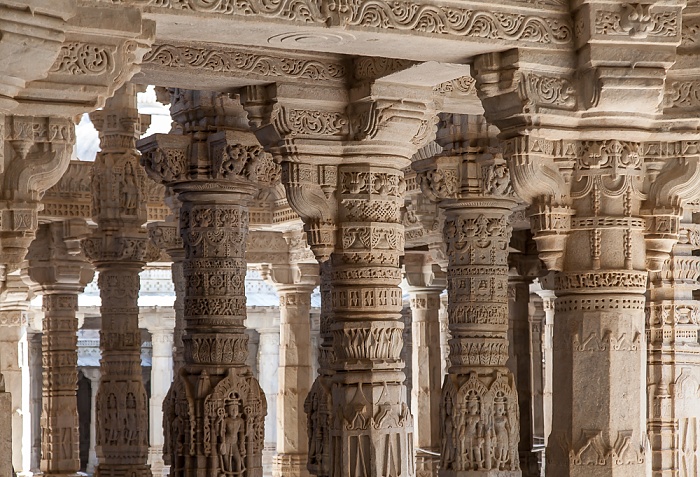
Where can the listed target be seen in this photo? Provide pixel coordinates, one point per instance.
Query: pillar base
(290, 465)
(427, 465)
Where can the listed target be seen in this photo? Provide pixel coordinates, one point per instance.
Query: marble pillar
(268, 369)
(14, 376)
(480, 413)
(119, 249)
(342, 168)
(673, 364)
(56, 269)
(161, 378)
(426, 282)
(536, 320)
(215, 167)
(523, 268)
(93, 374)
(294, 282)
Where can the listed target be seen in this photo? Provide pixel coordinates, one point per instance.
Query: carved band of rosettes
(230, 309)
(209, 282)
(242, 61)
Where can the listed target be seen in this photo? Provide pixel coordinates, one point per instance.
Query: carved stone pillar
(536, 320)
(480, 414)
(343, 152)
(118, 249)
(216, 167)
(93, 374)
(15, 425)
(673, 365)
(161, 329)
(523, 269)
(268, 369)
(606, 191)
(57, 270)
(294, 283)
(426, 282)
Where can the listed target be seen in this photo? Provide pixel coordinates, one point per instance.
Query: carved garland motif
(77, 58)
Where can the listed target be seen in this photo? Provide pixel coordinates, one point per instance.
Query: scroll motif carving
(84, 59)
(638, 21)
(230, 61)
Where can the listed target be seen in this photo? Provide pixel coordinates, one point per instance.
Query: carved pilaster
(480, 414)
(58, 271)
(215, 410)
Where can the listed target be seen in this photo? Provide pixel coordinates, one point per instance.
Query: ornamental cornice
(534, 23)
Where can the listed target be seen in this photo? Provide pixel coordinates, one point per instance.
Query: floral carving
(638, 21)
(77, 58)
(296, 122)
(241, 61)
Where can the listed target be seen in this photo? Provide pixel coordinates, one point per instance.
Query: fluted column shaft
(537, 326)
(295, 381)
(480, 402)
(427, 377)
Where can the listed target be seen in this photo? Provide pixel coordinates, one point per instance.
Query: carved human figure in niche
(448, 443)
(130, 191)
(111, 424)
(232, 443)
(315, 432)
(501, 431)
(471, 434)
(131, 432)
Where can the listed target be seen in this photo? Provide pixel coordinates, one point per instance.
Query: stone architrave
(673, 367)
(343, 151)
(606, 180)
(118, 249)
(480, 413)
(56, 269)
(295, 282)
(216, 410)
(426, 282)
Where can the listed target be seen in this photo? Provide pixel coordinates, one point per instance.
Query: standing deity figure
(472, 438)
(232, 432)
(501, 430)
